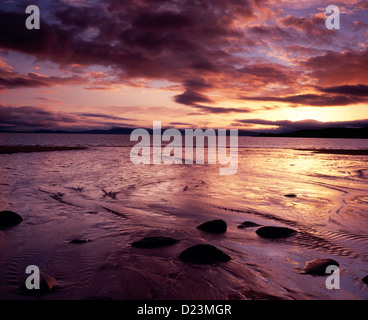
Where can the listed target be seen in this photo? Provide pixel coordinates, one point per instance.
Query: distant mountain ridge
(118, 130)
(347, 133)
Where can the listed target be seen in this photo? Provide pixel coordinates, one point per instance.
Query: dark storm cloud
(190, 97)
(103, 116)
(43, 43)
(30, 118)
(12, 80)
(175, 123)
(199, 45)
(286, 125)
(197, 84)
(163, 40)
(18, 82)
(334, 96)
(313, 100)
(267, 32)
(335, 68)
(169, 40)
(269, 73)
(80, 18)
(312, 25)
(164, 20)
(360, 90)
(221, 110)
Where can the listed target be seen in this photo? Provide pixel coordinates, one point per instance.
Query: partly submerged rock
(154, 242)
(203, 254)
(248, 224)
(9, 218)
(365, 279)
(79, 240)
(271, 232)
(290, 195)
(214, 226)
(318, 266)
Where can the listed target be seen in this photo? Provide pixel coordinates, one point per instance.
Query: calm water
(98, 194)
(112, 140)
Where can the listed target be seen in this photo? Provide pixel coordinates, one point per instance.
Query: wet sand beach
(104, 228)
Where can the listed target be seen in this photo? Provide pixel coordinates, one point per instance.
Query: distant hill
(347, 133)
(352, 133)
(120, 130)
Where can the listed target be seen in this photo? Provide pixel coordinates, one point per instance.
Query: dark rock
(365, 280)
(154, 242)
(274, 232)
(9, 218)
(290, 195)
(318, 266)
(79, 241)
(248, 224)
(204, 254)
(214, 226)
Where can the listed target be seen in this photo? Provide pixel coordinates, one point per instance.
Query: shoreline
(356, 152)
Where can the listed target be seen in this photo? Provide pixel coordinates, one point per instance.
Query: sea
(98, 196)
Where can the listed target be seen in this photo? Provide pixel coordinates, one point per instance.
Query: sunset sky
(246, 64)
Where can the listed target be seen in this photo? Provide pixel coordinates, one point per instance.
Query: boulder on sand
(214, 226)
(203, 254)
(318, 266)
(79, 241)
(154, 242)
(271, 232)
(9, 218)
(290, 195)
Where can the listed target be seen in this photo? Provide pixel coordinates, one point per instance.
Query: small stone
(203, 254)
(318, 266)
(248, 224)
(365, 279)
(79, 241)
(154, 242)
(214, 226)
(290, 195)
(274, 232)
(9, 218)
